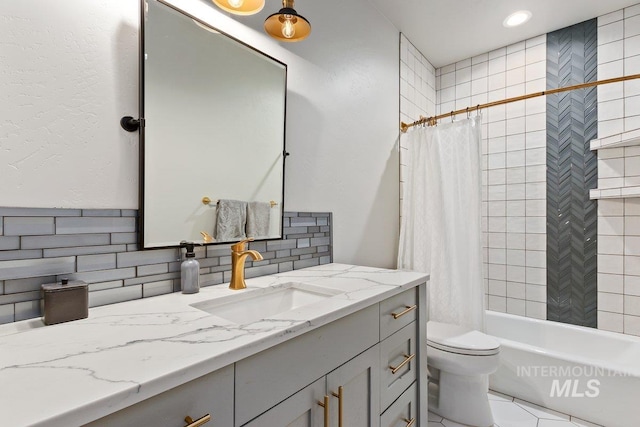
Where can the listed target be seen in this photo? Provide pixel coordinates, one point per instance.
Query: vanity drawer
(404, 411)
(397, 312)
(398, 359)
(269, 377)
(210, 394)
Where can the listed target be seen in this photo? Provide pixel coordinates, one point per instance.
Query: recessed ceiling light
(517, 18)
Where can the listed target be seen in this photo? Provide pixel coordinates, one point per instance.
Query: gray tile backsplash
(99, 246)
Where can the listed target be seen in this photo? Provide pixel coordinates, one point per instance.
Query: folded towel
(231, 220)
(258, 219)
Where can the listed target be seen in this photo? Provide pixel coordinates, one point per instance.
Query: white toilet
(463, 360)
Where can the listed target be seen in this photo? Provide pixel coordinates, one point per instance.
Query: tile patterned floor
(510, 412)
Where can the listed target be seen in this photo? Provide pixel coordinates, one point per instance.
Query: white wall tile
(536, 242)
(631, 28)
(515, 159)
(536, 276)
(610, 52)
(515, 76)
(610, 32)
(516, 306)
(632, 325)
(610, 110)
(516, 175)
(516, 208)
(632, 285)
(516, 142)
(516, 59)
(497, 304)
(515, 240)
(536, 259)
(498, 288)
(613, 207)
(516, 273)
(612, 264)
(632, 226)
(612, 91)
(536, 293)
(610, 321)
(631, 265)
(611, 245)
(632, 11)
(517, 224)
(536, 156)
(610, 226)
(613, 303)
(611, 168)
(516, 290)
(632, 305)
(516, 126)
(536, 310)
(612, 283)
(536, 173)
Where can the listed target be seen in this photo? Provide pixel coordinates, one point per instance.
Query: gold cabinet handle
(325, 405)
(407, 359)
(410, 422)
(198, 422)
(339, 396)
(408, 308)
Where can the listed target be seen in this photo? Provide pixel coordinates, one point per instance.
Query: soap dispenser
(189, 270)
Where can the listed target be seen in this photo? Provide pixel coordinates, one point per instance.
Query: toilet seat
(460, 340)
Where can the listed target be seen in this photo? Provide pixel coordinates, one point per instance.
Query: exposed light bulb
(288, 29)
(236, 3)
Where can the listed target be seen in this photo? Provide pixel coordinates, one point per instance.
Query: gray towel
(231, 221)
(258, 214)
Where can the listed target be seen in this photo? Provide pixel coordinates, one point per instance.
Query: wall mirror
(212, 140)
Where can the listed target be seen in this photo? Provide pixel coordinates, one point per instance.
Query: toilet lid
(460, 340)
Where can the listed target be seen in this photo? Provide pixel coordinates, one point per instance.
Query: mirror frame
(142, 140)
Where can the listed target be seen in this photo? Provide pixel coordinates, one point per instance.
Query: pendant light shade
(240, 7)
(287, 25)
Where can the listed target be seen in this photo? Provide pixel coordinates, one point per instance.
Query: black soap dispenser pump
(190, 270)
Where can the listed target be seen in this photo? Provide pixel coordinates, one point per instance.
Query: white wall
(64, 147)
(68, 72)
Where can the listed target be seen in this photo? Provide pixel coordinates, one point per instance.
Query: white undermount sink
(248, 306)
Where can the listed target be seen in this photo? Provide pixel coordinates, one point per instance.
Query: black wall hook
(130, 124)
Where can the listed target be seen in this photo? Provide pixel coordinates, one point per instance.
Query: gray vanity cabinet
(355, 386)
(300, 410)
(352, 385)
(361, 370)
(369, 361)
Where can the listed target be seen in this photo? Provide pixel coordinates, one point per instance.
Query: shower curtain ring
(468, 114)
(452, 115)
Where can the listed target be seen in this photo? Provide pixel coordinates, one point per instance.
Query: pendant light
(240, 7)
(287, 25)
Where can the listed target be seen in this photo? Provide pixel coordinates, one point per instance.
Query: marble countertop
(76, 372)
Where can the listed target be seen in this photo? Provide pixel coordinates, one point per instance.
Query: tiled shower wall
(619, 219)
(513, 169)
(417, 94)
(99, 247)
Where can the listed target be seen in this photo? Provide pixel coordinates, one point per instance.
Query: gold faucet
(238, 257)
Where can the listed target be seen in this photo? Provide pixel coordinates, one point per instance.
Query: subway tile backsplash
(99, 246)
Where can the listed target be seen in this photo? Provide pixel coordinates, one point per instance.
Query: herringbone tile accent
(572, 122)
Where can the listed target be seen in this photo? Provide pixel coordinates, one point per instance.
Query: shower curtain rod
(431, 121)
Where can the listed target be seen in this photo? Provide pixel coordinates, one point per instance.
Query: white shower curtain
(440, 231)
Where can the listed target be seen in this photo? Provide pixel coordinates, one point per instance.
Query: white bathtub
(591, 374)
